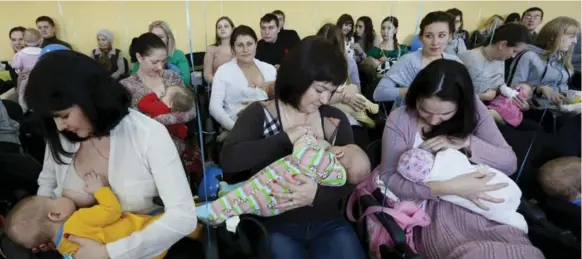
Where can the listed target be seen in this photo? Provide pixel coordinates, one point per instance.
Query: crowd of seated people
(116, 140)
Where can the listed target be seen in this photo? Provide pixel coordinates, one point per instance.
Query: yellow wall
(81, 20)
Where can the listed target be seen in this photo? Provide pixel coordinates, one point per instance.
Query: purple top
(455, 232)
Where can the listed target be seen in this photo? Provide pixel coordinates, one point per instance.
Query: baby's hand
(93, 182)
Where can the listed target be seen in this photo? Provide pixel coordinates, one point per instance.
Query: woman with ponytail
(382, 57)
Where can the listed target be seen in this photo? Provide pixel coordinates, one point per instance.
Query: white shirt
(230, 88)
(143, 164)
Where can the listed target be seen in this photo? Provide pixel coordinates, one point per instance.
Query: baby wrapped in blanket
(421, 166)
(310, 157)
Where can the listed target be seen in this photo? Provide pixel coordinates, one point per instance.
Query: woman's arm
(396, 82)
(245, 146)
(523, 68)
(47, 179)
(179, 60)
(179, 218)
(208, 68)
(120, 66)
(353, 71)
(487, 145)
(217, 97)
(387, 90)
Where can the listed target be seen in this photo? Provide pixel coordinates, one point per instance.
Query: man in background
(270, 48)
(289, 37)
(532, 18)
(47, 29)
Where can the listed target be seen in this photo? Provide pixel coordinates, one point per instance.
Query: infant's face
(525, 91)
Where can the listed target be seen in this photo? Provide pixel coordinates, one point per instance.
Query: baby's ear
(55, 216)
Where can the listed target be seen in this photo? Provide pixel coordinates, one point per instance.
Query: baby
(420, 166)
(359, 115)
(561, 178)
(39, 220)
(313, 158)
(176, 99)
(503, 107)
(247, 96)
(24, 61)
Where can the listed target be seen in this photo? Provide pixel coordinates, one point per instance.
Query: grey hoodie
(9, 128)
(532, 69)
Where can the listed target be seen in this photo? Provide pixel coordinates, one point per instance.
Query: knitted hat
(416, 164)
(107, 34)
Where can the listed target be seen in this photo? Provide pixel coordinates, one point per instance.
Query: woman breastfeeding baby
(91, 132)
(443, 116)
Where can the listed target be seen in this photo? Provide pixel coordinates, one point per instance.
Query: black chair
(198, 58)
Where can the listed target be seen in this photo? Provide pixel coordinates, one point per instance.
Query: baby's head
(30, 222)
(355, 161)
(32, 37)
(179, 98)
(525, 90)
(561, 178)
(416, 164)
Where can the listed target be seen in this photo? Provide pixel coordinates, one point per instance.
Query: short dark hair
(512, 17)
(15, 29)
(435, 17)
(267, 18)
(242, 30)
(513, 33)
(313, 59)
(533, 9)
(45, 18)
(278, 12)
(450, 81)
(144, 45)
(456, 12)
(64, 78)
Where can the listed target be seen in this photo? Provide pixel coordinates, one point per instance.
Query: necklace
(99, 152)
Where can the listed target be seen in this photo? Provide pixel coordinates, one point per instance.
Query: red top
(151, 105)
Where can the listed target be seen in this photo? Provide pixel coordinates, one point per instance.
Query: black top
(290, 38)
(271, 53)
(246, 151)
(54, 40)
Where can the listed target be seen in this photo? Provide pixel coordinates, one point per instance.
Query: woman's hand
(488, 95)
(302, 190)
(443, 142)
(296, 132)
(474, 186)
(548, 92)
(351, 97)
(88, 249)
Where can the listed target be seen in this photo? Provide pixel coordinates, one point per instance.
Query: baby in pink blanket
(504, 109)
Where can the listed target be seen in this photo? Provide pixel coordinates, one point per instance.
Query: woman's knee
(283, 246)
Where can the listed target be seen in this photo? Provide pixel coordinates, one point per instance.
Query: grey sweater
(9, 128)
(536, 71)
(485, 73)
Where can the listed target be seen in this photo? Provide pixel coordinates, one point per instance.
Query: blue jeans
(333, 238)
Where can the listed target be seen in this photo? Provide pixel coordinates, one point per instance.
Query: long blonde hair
(490, 25)
(171, 45)
(550, 38)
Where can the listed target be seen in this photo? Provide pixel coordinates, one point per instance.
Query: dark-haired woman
(240, 81)
(441, 111)
(388, 51)
(346, 23)
(435, 31)
(90, 128)
(151, 77)
(220, 52)
(313, 226)
(364, 38)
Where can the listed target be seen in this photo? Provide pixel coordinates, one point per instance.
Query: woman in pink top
(219, 52)
(441, 111)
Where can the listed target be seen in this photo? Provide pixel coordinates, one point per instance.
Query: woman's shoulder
(264, 65)
(400, 115)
